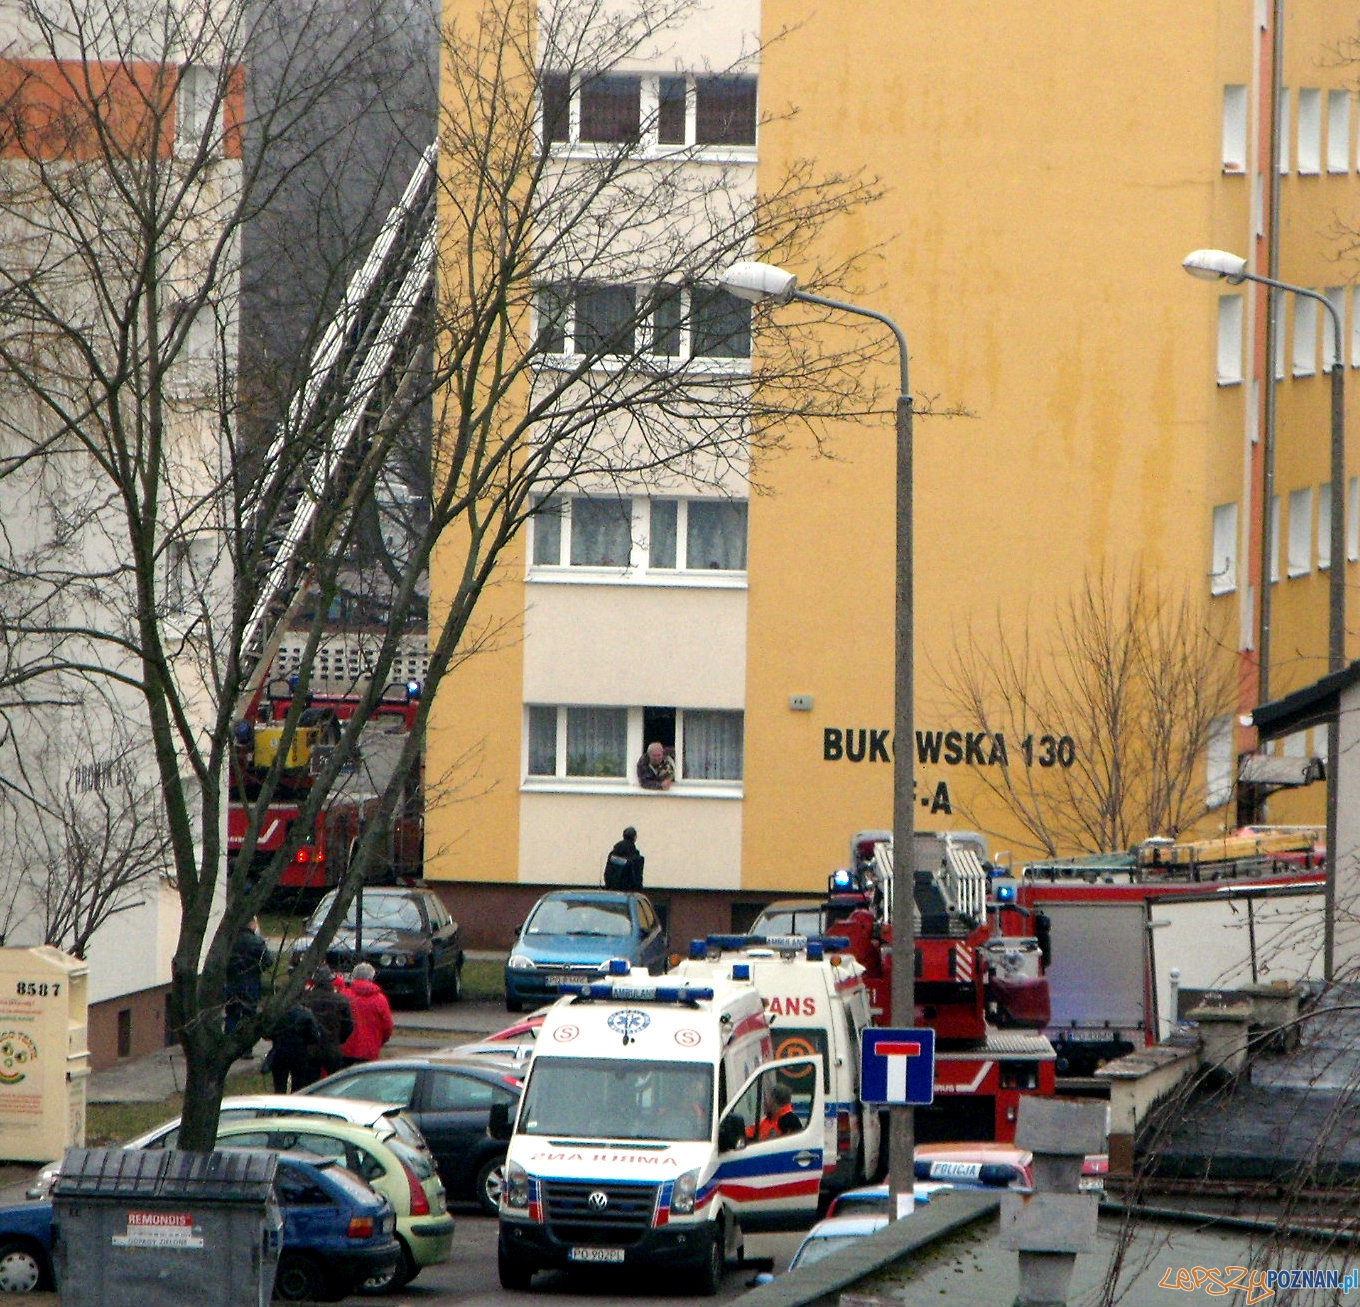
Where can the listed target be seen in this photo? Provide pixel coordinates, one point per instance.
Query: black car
(450, 1099)
(408, 936)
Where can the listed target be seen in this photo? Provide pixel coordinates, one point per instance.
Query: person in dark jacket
(246, 966)
(332, 1012)
(292, 1058)
(623, 866)
(372, 1017)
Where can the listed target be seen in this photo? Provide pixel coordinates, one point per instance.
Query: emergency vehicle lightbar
(686, 994)
(814, 945)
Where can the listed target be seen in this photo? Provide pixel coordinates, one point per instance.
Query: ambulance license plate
(595, 1255)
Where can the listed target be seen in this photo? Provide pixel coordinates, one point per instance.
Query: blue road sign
(897, 1067)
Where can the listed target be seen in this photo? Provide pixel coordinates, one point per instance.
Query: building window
(715, 536)
(1336, 297)
(1353, 520)
(725, 111)
(611, 109)
(1234, 129)
(601, 532)
(1324, 526)
(603, 321)
(650, 110)
(1338, 131)
(596, 743)
(1300, 531)
(196, 107)
(1218, 785)
(1277, 302)
(1305, 336)
(1229, 340)
(1223, 562)
(1355, 326)
(1284, 129)
(1310, 130)
(1273, 543)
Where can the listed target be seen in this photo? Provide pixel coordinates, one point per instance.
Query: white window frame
(1235, 128)
(1230, 340)
(1223, 550)
(1300, 553)
(1281, 302)
(682, 538)
(1324, 526)
(1273, 543)
(1218, 771)
(1305, 336)
(1338, 131)
(1310, 131)
(1336, 297)
(1285, 137)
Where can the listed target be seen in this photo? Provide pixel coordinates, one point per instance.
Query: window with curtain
(597, 741)
(712, 745)
(606, 320)
(715, 536)
(601, 532)
(611, 109)
(547, 519)
(556, 93)
(720, 324)
(662, 535)
(670, 111)
(725, 111)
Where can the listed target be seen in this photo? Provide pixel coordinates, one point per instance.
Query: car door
(774, 1183)
(453, 1109)
(443, 939)
(311, 1217)
(652, 946)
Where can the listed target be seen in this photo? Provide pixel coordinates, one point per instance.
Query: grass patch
(483, 978)
(107, 1124)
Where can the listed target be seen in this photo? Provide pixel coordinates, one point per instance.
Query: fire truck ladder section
(358, 378)
(949, 901)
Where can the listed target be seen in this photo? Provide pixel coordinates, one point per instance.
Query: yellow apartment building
(1046, 168)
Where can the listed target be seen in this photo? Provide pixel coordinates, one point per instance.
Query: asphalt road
(469, 1277)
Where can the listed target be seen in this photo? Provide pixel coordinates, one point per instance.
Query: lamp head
(759, 281)
(1211, 265)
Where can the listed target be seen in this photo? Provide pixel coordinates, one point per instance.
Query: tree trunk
(207, 1059)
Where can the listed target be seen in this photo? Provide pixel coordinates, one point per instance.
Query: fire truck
(323, 852)
(1137, 937)
(983, 993)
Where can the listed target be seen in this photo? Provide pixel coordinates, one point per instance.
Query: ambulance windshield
(602, 1098)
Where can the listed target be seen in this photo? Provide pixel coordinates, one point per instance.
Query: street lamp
(1213, 265)
(758, 282)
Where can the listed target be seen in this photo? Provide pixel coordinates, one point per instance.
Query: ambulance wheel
(516, 1273)
(709, 1273)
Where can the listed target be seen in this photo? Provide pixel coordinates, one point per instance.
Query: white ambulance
(646, 1134)
(816, 1003)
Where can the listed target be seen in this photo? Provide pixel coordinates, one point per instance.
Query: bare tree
(577, 340)
(1107, 709)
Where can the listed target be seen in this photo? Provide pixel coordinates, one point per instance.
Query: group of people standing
(337, 1022)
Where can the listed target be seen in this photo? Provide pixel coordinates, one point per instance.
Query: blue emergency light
(698, 950)
(843, 879)
(619, 967)
(741, 971)
(814, 950)
(1003, 890)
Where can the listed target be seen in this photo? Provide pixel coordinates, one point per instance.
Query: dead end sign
(897, 1067)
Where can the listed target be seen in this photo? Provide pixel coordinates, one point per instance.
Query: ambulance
(644, 1135)
(816, 1003)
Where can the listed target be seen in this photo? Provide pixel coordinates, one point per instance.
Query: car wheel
(709, 1273)
(402, 1273)
(299, 1279)
(22, 1269)
(425, 989)
(516, 1273)
(456, 988)
(489, 1183)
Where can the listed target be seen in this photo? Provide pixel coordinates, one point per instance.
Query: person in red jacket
(372, 1017)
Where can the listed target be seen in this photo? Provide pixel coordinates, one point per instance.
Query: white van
(638, 1140)
(816, 1003)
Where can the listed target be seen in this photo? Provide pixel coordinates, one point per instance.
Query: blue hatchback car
(336, 1234)
(571, 934)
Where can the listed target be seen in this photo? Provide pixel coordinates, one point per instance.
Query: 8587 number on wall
(37, 988)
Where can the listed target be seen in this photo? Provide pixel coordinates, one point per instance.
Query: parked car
(383, 1118)
(406, 1178)
(792, 917)
(572, 934)
(413, 944)
(833, 1234)
(450, 1100)
(337, 1234)
(513, 1044)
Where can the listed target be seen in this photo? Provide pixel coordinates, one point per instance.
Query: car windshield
(381, 912)
(611, 1099)
(575, 917)
(791, 921)
(815, 1249)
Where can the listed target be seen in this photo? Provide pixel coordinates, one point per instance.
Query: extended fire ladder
(358, 372)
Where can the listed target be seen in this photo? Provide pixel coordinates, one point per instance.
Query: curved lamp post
(1214, 265)
(757, 282)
